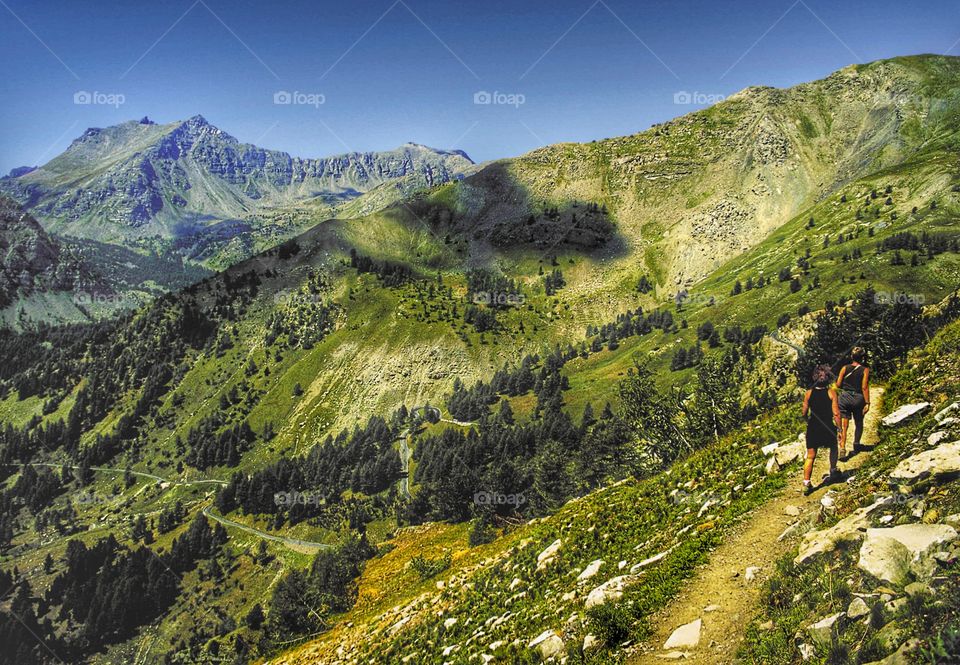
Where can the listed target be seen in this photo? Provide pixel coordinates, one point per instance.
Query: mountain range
(188, 196)
(477, 419)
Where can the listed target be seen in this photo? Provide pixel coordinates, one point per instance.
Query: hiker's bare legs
(808, 464)
(842, 438)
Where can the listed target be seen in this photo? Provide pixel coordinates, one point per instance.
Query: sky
(493, 78)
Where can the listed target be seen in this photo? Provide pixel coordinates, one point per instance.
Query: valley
(397, 407)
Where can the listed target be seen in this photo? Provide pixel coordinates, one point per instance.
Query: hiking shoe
(808, 489)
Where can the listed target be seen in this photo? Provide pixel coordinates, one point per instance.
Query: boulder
(548, 643)
(590, 642)
(546, 557)
(850, 529)
(650, 560)
(941, 415)
(592, 569)
(686, 636)
(904, 413)
(611, 590)
(791, 511)
(858, 608)
(791, 451)
(822, 632)
(885, 559)
(891, 554)
(937, 437)
(938, 464)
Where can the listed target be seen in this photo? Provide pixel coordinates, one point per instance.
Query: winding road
(776, 338)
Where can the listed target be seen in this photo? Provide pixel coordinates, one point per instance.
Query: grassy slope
(386, 351)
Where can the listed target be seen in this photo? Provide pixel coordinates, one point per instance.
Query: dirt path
(721, 582)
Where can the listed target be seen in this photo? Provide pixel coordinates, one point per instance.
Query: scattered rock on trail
(941, 462)
(751, 573)
(904, 413)
(686, 636)
(791, 511)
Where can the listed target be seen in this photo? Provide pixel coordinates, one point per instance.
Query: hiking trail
(720, 585)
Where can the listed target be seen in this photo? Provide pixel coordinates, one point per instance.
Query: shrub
(427, 568)
(610, 622)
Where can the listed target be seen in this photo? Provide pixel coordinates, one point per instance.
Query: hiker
(822, 411)
(854, 384)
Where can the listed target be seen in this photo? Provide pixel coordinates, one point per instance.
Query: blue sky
(391, 71)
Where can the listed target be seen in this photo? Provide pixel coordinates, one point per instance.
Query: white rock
(822, 632)
(751, 573)
(548, 643)
(850, 529)
(943, 413)
(546, 557)
(650, 560)
(944, 460)
(769, 448)
(904, 413)
(938, 436)
(592, 569)
(450, 623)
(450, 649)
(515, 583)
(858, 608)
(790, 452)
(806, 651)
(686, 636)
(772, 466)
(711, 608)
(611, 590)
(622, 564)
(892, 554)
(590, 642)
(791, 510)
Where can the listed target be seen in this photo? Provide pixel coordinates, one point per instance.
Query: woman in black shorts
(854, 383)
(822, 412)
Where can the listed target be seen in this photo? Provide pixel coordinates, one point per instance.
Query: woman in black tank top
(854, 382)
(822, 412)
